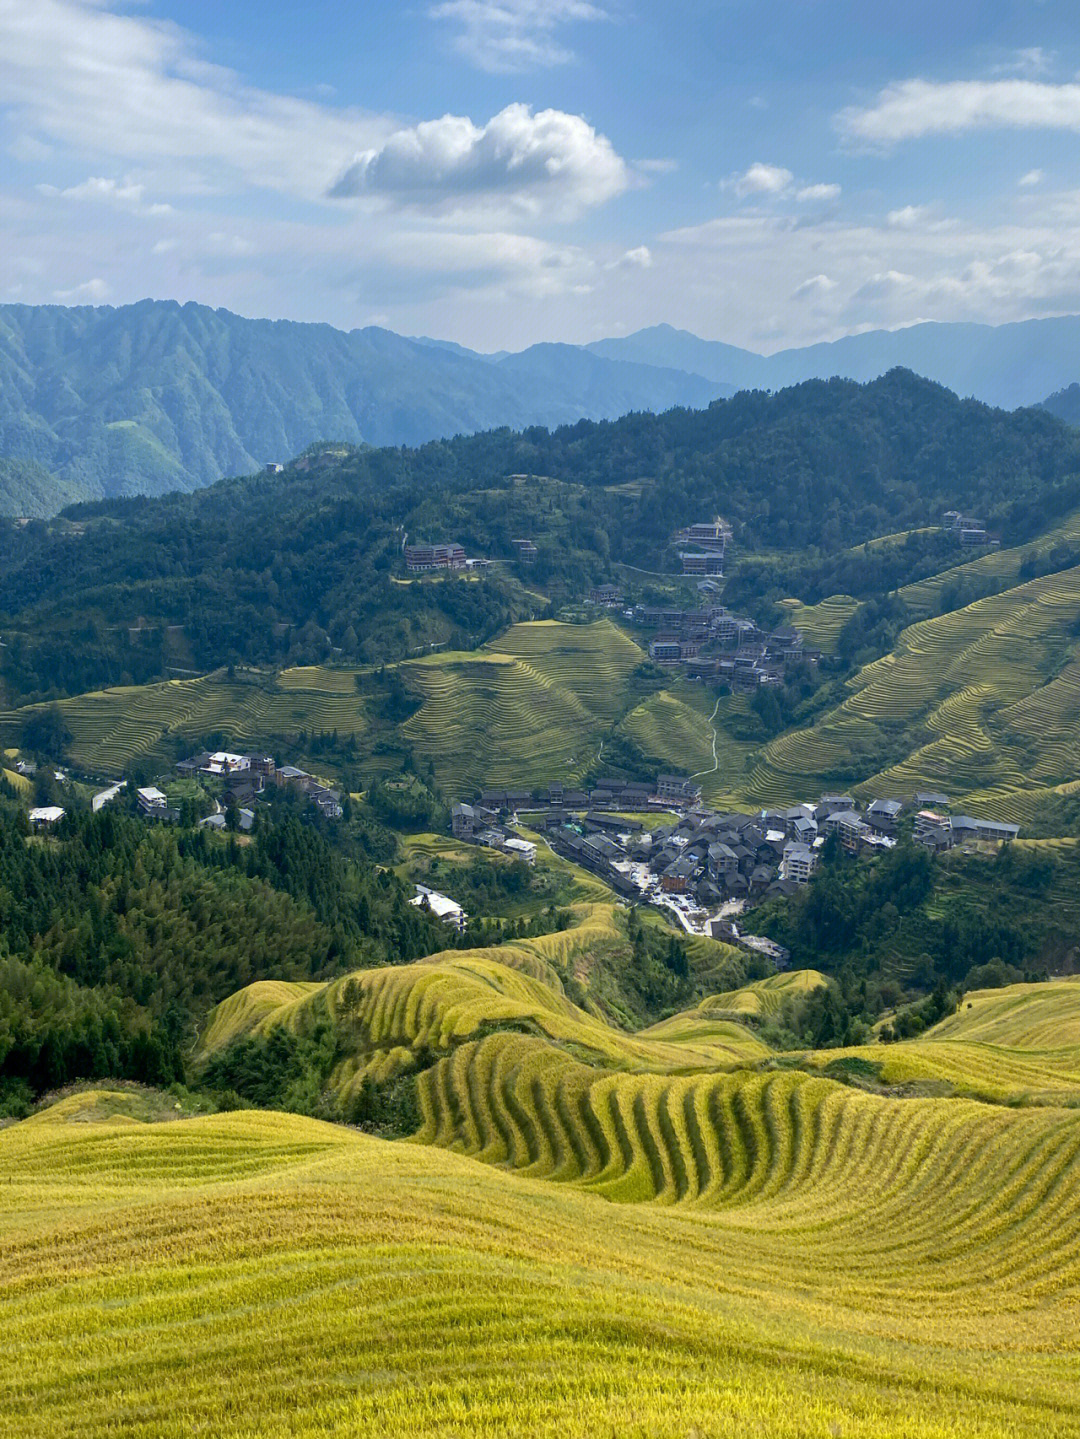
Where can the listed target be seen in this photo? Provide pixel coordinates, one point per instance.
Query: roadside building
(678, 789)
(522, 849)
(447, 556)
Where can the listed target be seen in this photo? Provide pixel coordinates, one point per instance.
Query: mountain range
(159, 396)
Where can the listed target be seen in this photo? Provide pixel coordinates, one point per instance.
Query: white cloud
(762, 179)
(126, 193)
(1031, 61)
(639, 258)
(1033, 177)
(104, 83)
(884, 277)
(911, 109)
(818, 192)
(549, 164)
(514, 35)
(815, 288)
(89, 292)
(907, 217)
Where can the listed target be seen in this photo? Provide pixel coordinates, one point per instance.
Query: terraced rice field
(812, 1274)
(924, 596)
(111, 727)
(1020, 1016)
(977, 700)
(530, 708)
(821, 623)
(393, 1014)
(533, 704)
(590, 1233)
(674, 729)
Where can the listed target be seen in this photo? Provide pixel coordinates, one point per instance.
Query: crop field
(924, 596)
(821, 623)
(111, 727)
(535, 701)
(674, 729)
(980, 702)
(591, 1232)
(785, 1256)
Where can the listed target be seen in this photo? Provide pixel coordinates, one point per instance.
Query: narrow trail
(715, 759)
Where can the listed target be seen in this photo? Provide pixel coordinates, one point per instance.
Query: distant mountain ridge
(1005, 365)
(1065, 404)
(159, 396)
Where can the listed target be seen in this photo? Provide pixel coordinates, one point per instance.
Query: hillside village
(706, 867)
(213, 789)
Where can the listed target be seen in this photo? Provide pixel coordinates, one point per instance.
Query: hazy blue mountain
(1006, 365)
(1065, 404)
(575, 379)
(680, 350)
(160, 396)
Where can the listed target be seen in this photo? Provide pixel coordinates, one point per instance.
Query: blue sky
(505, 171)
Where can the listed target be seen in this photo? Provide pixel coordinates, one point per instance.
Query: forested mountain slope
(159, 396)
(291, 567)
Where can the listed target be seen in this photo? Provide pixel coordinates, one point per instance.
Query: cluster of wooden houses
(714, 644)
(246, 777)
(707, 858)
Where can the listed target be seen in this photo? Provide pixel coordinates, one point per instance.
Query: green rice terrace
(980, 701)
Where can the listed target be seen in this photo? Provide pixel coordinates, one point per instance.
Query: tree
(45, 732)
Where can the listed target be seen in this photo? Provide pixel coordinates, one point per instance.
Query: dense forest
(307, 565)
(116, 937)
(908, 920)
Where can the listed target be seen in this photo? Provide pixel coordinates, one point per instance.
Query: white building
(799, 862)
(441, 906)
(222, 762)
(46, 815)
(520, 849)
(150, 797)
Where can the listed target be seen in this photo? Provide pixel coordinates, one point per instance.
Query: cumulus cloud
(907, 217)
(762, 179)
(514, 35)
(811, 193)
(639, 258)
(1033, 177)
(549, 164)
(912, 109)
(884, 277)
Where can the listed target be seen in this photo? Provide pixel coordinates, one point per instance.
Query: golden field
(592, 1233)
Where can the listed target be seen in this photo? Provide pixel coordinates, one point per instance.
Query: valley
(513, 953)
